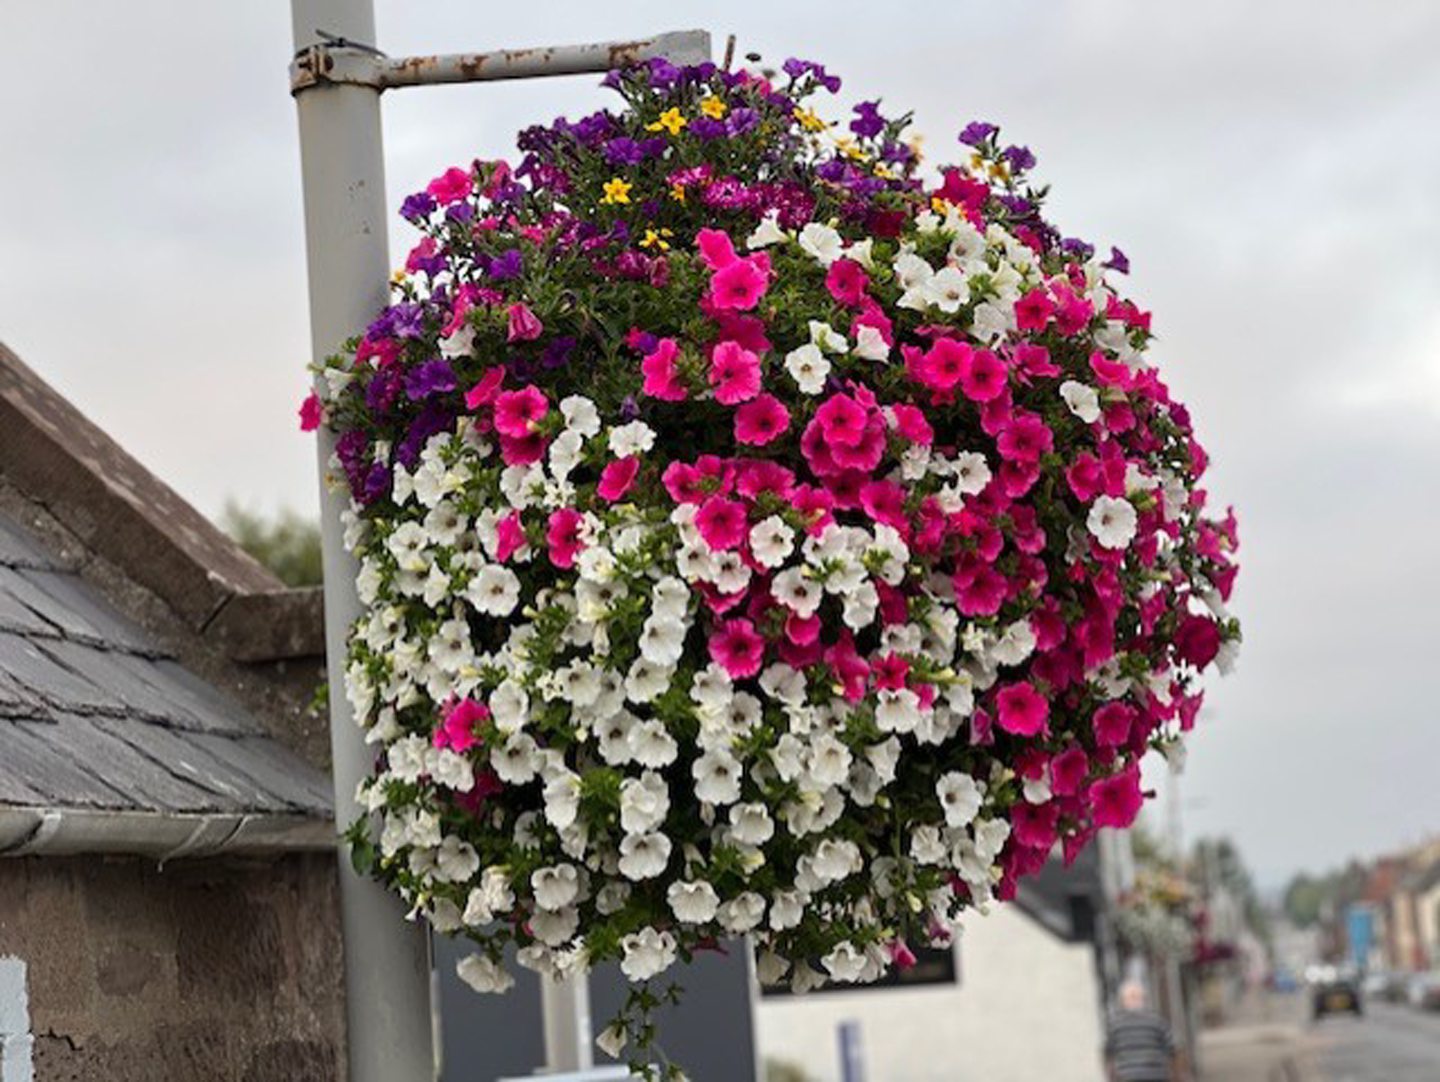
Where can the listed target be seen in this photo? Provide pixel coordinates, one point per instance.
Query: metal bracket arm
(338, 61)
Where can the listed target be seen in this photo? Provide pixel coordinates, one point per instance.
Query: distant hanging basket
(756, 540)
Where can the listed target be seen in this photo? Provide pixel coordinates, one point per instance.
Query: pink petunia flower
(737, 648)
(1116, 801)
(524, 325)
(1021, 710)
(716, 248)
(522, 450)
(617, 477)
(842, 421)
(734, 373)
(1033, 310)
(739, 285)
(457, 731)
(761, 421)
(846, 280)
(518, 412)
(563, 536)
(1068, 770)
(984, 377)
(311, 413)
(486, 389)
(451, 186)
(662, 380)
(509, 537)
(721, 522)
(911, 423)
(1112, 723)
(943, 365)
(1025, 438)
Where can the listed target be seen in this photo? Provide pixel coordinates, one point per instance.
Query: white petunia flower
(494, 591)
(845, 963)
(798, 593)
(644, 856)
(768, 232)
(647, 953)
(554, 928)
(662, 641)
(451, 770)
(821, 243)
(1112, 522)
(635, 438)
(455, 861)
(516, 762)
(407, 757)
(787, 909)
(870, 344)
(692, 902)
(897, 710)
(771, 541)
(750, 824)
(483, 974)
(1084, 402)
(580, 415)
(926, 845)
(809, 367)
(742, 912)
(717, 777)
(947, 289)
(509, 706)
(556, 886)
(827, 338)
(651, 745)
(644, 803)
(1015, 645)
(562, 799)
(960, 797)
(646, 680)
(972, 472)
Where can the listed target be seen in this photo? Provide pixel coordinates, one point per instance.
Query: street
(1279, 1043)
(1389, 1044)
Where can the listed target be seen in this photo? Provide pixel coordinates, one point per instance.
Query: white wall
(1027, 1007)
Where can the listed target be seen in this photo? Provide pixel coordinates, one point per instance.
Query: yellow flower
(884, 172)
(808, 120)
(1000, 170)
(670, 120)
(848, 147)
(657, 240)
(617, 190)
(677, 192)
(713, 107)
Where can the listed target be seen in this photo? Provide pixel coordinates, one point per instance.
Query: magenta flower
(662, 380)
(738, 286)
(451, 186)
(984, 377)
(721, 522)
(562, 535)
(1116, 801)
(617, 477)
(846, 280)
(311, 413)
(734, 373)
(737, 648)
(1112, 724)
(457, 731)
(717, 250)
(525, 326)
(761, 421)
(1022, 710)
(518, 412)
(509, 536)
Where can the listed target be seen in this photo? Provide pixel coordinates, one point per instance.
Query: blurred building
(1032, 981)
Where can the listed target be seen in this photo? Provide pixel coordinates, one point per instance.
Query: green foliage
(288, 544)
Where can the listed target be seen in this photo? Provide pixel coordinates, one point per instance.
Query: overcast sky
(1273, 170)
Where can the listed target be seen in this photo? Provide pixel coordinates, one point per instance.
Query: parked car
(1336, 993)
(1424, 991)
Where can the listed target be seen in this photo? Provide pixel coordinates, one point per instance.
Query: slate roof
(94, 714)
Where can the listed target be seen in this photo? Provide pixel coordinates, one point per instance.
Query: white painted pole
(387, 966)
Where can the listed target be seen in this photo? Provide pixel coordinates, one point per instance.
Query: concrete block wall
(203, 971)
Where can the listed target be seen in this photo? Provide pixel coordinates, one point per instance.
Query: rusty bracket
(340, 62)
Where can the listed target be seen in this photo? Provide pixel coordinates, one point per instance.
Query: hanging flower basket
(756, 538)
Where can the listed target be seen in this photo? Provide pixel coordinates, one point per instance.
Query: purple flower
(375, 484)
(1118, 261)
(623, 150)
(868, 122)
(976, 132)
(459, 212)
(381, 392)
(663, 74)
(429, 379)
(1020, 158)
(629, 408)
(796, 69)
(433, 418)
(741, 120)
(1076, 247)
(417, 207)
(407, 320)
(557, 353)
(707, 128)
(506, 266)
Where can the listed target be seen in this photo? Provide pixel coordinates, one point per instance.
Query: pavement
(1274, 1040)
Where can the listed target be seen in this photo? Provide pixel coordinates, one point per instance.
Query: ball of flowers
(756, 538)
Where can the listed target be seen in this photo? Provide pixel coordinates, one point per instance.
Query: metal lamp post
(337, 78)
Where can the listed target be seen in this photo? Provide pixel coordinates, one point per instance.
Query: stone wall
(200, 971)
